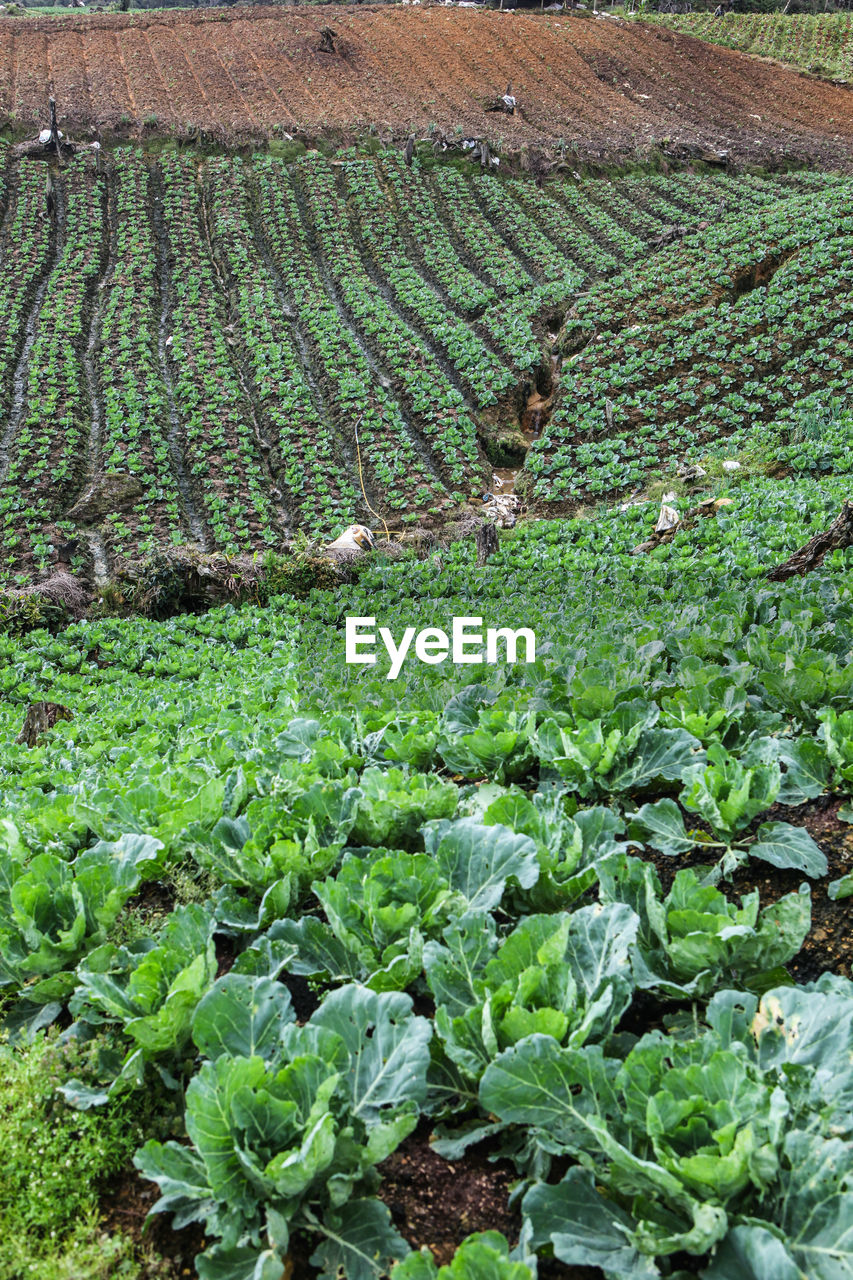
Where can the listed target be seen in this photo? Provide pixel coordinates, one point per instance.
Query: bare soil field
(605, 88)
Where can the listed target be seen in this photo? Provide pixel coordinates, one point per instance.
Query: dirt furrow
(7, 77)
(218, 65)
(131, 100)
(100, 563)
(284, 514)
(252, 78)
(376, 270)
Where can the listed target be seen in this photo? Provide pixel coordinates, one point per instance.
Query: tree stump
(54, 127)
(40, 717)
(487, 542)
(327, 40)
(812, 554)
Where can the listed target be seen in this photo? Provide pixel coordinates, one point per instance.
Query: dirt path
(603, 87)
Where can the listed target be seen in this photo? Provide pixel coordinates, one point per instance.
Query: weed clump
(55, 1160)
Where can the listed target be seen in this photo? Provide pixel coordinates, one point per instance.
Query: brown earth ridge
(604, 88)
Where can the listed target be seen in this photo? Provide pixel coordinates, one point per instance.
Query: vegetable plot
(737, 341)
(219, 433)
(564, 912)
(136, 441)
(256, 348)
(306, 458)
(150, 442)
(346, 372)
(816, 42)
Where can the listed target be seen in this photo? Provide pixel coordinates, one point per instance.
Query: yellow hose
(361, 482)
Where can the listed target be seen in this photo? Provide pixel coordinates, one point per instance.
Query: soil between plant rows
(124, 1206)
(433, 1202)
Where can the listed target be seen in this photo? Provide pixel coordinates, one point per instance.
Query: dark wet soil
(434, 1203)
(829, 945)
(153, 898)
(226, 954)
(437, 1203)
(125, 1205)
(304, 998)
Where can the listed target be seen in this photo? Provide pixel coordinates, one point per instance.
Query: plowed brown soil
(607, 89)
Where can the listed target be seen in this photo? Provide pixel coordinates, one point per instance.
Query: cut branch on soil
(327, 41)
(811, 556)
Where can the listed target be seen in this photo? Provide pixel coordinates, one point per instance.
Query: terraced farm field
(516, 956)
(222, 352)
(603, 88)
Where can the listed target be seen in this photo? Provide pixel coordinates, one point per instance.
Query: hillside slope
(243, 326)
(604, 87)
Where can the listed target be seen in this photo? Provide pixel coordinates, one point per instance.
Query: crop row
(306, 454)
(724, 258)
(416, 210)
(368, 416)
(820, 43)
(217, 425)
(547, 262)
(26, 251)
(48, 455)
(298, 344)
(477, 367)
(440, 407)
(481, 244)
(135, 431)
(599, 245)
